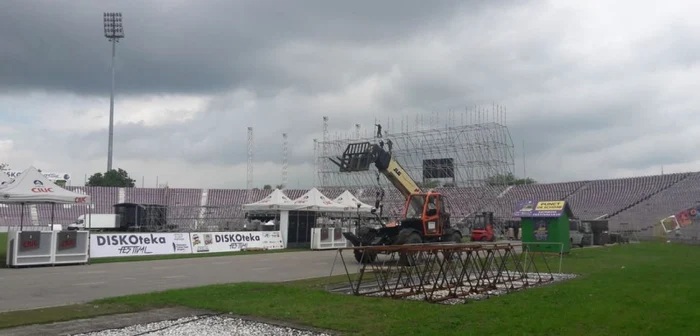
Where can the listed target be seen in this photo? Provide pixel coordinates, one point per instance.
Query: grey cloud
(209, 47)
(282, 57)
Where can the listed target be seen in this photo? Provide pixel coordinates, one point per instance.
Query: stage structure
(165, 213)
(443, 150)
(207, 218)
(191, 218)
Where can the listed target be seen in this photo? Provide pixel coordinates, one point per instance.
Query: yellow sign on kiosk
(550, 206)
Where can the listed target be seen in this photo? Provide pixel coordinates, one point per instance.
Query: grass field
(637, 289)
(3, 253)
(3, 248)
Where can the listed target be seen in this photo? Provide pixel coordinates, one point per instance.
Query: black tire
(366, 234)
(407, 237)
(484, 239)
(413, 238)
(454, 237)
(365, 257)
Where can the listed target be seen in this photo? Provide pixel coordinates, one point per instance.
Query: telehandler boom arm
(359, 156)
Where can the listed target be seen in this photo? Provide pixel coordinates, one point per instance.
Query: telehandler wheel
(408, 237)
(414, 238)
(365, 257)
(455, 237)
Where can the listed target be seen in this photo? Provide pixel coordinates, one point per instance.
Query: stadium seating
(641, 201)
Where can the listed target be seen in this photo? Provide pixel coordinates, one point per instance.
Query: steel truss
(447, 273)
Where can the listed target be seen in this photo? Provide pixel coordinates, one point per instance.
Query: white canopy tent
(349, 200)
(32, 187)
(4, 179)
(314, 200)
(277, 200)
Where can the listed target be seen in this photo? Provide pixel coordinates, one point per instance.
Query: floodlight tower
(249, 182)
(113, 32)
(285, 162)
(324, 148)
(316, 159)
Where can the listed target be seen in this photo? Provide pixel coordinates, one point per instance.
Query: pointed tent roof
(274, 201)
(314, 200)
(349, 200)
(33, 187)
(4, 178)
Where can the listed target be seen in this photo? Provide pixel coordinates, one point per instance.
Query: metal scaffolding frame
(194, 218)
(477, 140)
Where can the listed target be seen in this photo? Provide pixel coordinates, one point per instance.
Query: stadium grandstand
(461, 152)
(639, 201)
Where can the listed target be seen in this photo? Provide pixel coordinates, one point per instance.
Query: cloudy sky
(594, 89)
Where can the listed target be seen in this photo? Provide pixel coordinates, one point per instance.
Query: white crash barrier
(139, 244)
(212, 242)
(127, 244)
(71, 247)
(43, 248)
(35, 248)
(329, 238)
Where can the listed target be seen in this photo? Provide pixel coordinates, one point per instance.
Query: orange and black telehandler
(425, 216)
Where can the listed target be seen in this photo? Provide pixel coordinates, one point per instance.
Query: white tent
(33, 187)
(349, 200)
(4, 179)
(275, 201)
(314, 200)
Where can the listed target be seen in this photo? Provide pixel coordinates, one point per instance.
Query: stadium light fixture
(113, 32)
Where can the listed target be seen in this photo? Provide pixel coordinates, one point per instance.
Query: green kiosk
(546, 223)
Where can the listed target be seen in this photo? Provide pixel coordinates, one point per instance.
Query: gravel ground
(205, 325)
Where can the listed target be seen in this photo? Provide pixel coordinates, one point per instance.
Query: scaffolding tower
(462, 150)
(460, 153)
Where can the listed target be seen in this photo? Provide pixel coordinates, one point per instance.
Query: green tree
(280, 186)
(113, 178)
(267, 187)
(509, 179)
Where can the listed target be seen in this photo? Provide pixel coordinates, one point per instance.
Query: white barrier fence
(34, 248)
(329, 238)
(134, 244)
(212, 242)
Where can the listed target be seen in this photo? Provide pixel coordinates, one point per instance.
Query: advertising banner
(66, 240)
(52, 176)
(212, 242)
(71, 247)
(29, 240)
(533, 208)
(541, 230)
(688, 217)
(135, 244)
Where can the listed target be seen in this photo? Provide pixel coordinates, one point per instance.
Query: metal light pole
(113, 32)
